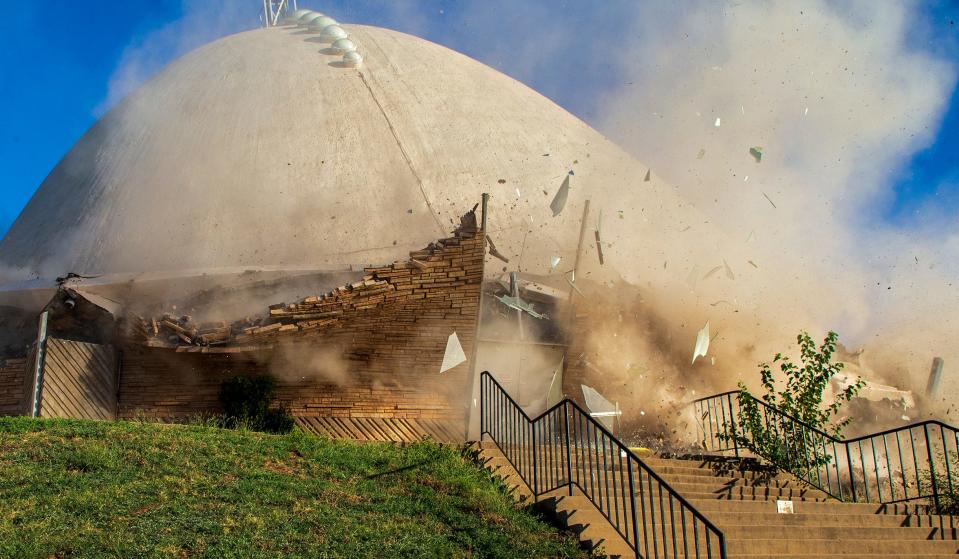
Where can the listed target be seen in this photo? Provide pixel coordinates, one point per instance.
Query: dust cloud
(839, 98)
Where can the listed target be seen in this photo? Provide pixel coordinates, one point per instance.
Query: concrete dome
(260, 150)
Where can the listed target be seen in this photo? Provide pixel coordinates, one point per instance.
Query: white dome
(256, 150)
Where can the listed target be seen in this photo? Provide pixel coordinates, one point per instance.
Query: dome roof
(261, 150)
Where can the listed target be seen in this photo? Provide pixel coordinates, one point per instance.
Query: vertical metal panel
(79, 380)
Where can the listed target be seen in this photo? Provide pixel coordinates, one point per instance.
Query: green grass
(93, 489)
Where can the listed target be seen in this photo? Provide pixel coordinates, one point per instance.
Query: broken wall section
(368, 349)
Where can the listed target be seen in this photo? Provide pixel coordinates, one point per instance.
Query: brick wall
(369, 349)
(13, 386)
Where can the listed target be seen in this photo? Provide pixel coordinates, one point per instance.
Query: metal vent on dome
(352, 59)
(320, 23)
(308, 18)
(343, 46)
(332, 33)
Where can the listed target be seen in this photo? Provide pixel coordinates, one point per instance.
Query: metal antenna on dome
(276, 10)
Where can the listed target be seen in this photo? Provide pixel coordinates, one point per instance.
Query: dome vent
(318, 24)
(308, 18)
(297, 15)
(331, 33)
(352, 59)
(343, 46)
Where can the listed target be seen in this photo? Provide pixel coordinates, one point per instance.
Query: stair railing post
(932, 467)
(632, 502)
(852, 480)
(732, 422)
(532, 425)
(569, 459)
(482, 407)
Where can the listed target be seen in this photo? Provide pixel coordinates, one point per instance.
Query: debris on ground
(553, 262)
(648, 172)
(757, 153)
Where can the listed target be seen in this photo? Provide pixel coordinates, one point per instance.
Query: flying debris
(559, 201)
(571, 280)
(648, 171)
(599, 241)
(555, 394)
(702, 343)
(493, 251)
(729, 271)
(770, 199)
(757, 153)
(553, 262)
(713, 271)
(520, 305)
(454, 353)
(753, 264)
(599, 407)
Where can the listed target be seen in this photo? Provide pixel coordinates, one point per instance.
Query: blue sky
(59, 58)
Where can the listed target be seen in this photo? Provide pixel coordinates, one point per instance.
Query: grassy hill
(126, 489)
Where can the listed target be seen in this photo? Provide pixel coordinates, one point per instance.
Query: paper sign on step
(784, 507)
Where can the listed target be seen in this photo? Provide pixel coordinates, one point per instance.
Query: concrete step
(825, 546)
(748, 497)
(722, 518)
(576, 514)
(749, 492)
(705, 504)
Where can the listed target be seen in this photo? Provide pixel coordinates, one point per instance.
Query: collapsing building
(262, 170)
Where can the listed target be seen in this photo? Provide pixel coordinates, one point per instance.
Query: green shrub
(246, 403)
(774, 437)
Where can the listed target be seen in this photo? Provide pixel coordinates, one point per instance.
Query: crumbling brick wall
(13, 386)
(387, 333)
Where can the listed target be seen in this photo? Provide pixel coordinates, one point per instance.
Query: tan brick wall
(387, 335)
(13, 386)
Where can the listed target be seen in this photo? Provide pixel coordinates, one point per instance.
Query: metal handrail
(564, 447)
(841, 467)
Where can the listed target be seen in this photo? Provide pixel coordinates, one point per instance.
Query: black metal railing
(565, 448)
(913, 462)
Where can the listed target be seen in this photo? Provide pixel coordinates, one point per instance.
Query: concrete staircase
(739, 496)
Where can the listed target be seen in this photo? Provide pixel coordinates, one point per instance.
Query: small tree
(786, 443)
(246, 403)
